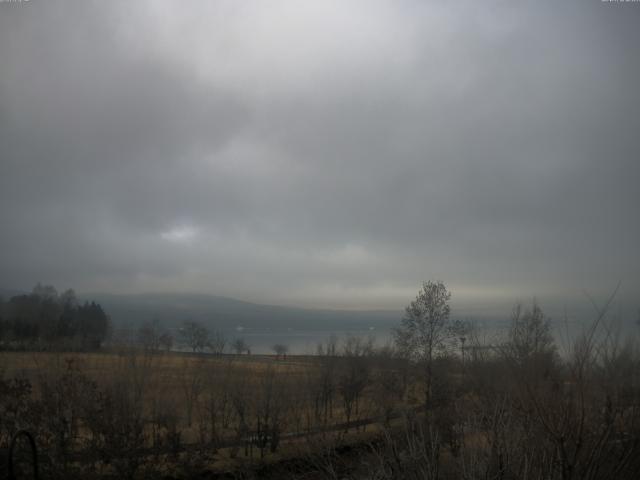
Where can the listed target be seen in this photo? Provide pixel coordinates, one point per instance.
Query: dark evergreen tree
(45, 316)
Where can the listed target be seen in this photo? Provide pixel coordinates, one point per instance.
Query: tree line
(44, 319)
(194, 336)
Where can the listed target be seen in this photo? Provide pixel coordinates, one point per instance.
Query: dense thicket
(44, 318)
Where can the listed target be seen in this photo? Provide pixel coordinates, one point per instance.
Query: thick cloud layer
(331, 153)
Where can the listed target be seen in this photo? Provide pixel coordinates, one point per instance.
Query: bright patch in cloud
(182, 234)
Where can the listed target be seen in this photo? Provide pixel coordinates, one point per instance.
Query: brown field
(131, 414)
(179, 382)
(168, 366)
(218, 406)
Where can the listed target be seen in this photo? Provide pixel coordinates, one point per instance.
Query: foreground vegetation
(439, 403)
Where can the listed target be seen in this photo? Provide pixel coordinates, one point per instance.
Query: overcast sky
(326, 153)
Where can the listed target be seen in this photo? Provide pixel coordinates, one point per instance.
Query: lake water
(489, 332)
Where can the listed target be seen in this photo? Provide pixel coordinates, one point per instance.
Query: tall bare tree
(192, 383)
(426, 330)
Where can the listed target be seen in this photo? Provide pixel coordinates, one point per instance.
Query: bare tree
(327, 355)
(240, 346)
(218, 407)
(280, 350)
(530, 336)
(148, 335)
(426, 330)
(328, 348)
(166, 341)
(351, 384)
(241, 412)
(388, 391)
(194, 335)
(218, 342)
(117, 424)
(192, 382)
(355, 346)
(269, 410)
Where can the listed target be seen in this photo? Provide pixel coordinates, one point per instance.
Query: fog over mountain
(329, 154)
(222, 313)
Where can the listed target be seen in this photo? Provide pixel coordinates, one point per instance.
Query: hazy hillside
(226, 313)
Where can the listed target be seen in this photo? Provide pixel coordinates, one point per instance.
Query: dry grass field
(163, 407)
(188, 384)
(170, 367)
(135, 414)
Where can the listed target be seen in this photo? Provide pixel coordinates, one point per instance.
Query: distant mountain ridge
(225, 313)
(228, 313)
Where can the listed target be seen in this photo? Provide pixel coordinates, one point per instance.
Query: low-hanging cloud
(320, 153)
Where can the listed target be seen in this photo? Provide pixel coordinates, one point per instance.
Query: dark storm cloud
(325, 153)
